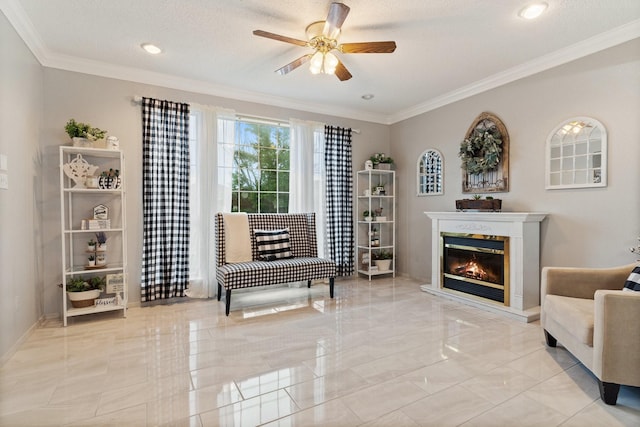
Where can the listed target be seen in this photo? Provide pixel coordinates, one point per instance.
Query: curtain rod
(138, 99)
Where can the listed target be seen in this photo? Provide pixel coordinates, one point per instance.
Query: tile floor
(382, 353)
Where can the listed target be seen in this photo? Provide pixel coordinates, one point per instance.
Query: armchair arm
(582, 282)
(616, 339)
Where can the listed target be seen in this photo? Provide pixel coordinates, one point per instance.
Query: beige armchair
(586, 311)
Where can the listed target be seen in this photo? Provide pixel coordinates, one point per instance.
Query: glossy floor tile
(382, 353)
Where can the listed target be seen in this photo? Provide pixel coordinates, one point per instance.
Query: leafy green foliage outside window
(261, 168)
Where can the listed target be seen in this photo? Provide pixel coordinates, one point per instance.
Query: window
(577, 154)
(260, 167)
(430, 171)
(245, 165)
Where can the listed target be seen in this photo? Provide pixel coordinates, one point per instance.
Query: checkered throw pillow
(633, 281)
(273, 244)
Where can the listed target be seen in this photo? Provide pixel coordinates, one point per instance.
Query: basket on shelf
(84, 298)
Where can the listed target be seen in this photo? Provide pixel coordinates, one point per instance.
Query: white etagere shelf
(77, 204)
(376, 189)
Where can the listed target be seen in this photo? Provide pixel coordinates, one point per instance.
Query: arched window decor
(430, 173)
(577, 154)
(485, 156)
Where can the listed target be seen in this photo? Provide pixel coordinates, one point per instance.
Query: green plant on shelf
(380, 158)
(79, 284)
(83, 130)
(382, 255)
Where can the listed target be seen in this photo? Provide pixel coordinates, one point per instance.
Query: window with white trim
(260, 168)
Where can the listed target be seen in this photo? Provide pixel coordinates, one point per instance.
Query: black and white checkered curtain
(339, 198)
(165, 181)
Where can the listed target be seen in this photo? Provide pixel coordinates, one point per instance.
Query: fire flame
(472, 270)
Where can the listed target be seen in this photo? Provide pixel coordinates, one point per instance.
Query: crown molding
(104, 69)
(23, 26)
(559, 57)
(25, 29)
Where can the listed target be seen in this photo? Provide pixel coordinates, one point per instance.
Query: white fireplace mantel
(523, 230)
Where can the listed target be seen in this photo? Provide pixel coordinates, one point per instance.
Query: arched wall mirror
(577, 154)
(430, 173)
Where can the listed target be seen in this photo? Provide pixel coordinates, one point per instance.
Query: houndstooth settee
(305, 264)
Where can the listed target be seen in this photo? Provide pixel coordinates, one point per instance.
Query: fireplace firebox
(476, 264)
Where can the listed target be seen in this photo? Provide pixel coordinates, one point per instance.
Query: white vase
(383, 264)
(81, 142)
(91, 182)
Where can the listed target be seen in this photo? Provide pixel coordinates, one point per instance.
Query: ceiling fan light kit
(323, 63)
(322, 37)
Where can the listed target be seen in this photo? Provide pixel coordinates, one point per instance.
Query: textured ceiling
(447, 49)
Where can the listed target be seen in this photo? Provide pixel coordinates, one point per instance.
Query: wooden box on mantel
(481, 205)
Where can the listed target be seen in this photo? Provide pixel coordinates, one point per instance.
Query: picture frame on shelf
(101, 212)
(115, 283)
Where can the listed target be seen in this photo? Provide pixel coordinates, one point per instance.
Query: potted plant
(92, 260)
(91, 245)
(383, 260)
(368, 216)
(101, 237)
(83, 292)
(381, 161)
(101, 258)
(82, 133)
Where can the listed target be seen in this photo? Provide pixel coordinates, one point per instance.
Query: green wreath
(481, 152)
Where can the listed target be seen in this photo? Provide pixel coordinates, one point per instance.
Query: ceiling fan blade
(293, 65)
(368, 47)
(279, 38)
(337, 14)
(341, 72)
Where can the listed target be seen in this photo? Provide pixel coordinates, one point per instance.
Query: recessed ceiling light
(151, 48)
(367, 96)
(533, 10)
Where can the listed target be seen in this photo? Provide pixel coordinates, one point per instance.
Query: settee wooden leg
(551, 341)
(227, 302)
(331, 280)
(308, 283)
(609, 392)
(219, 292)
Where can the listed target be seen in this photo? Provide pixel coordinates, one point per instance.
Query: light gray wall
(585, 227)
(21, 277)
(106, 103)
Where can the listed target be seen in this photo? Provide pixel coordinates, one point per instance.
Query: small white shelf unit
(376, 189)
(76, 204)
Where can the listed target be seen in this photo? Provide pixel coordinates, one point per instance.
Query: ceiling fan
(322, 37)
